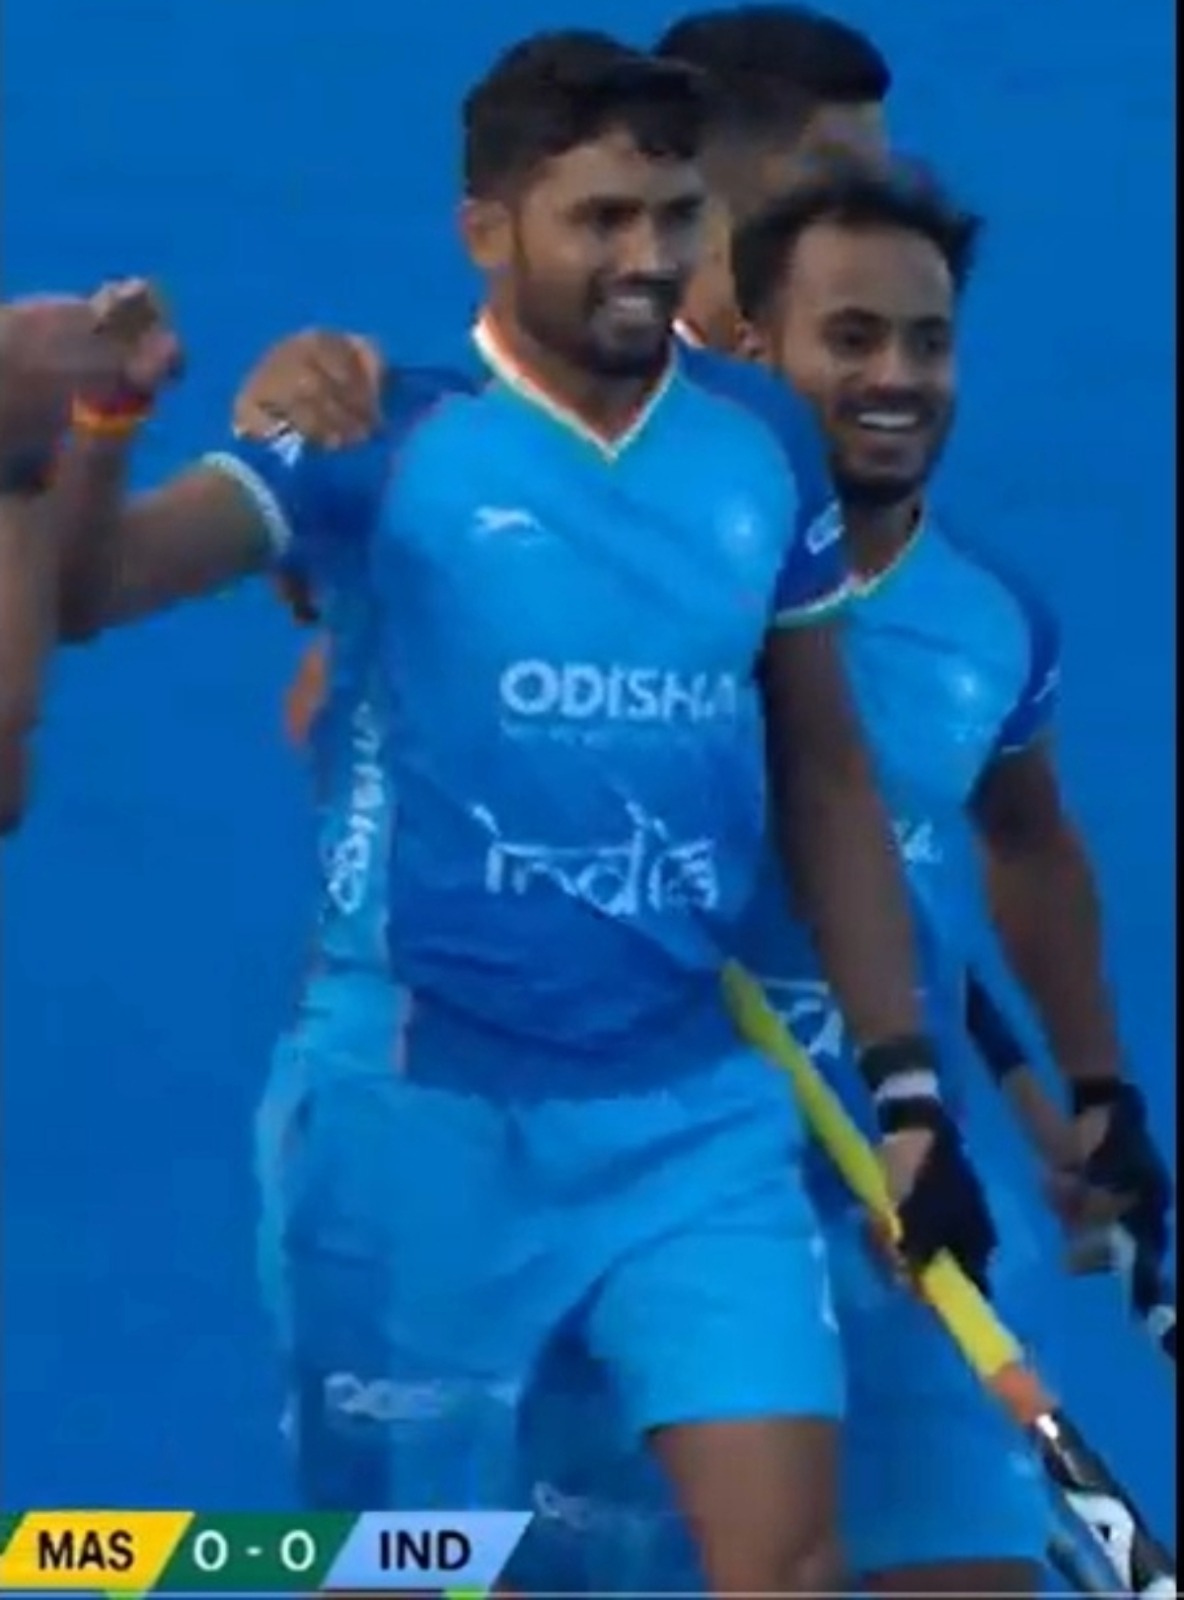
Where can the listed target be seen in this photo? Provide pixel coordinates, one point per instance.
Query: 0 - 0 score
(297, 1551)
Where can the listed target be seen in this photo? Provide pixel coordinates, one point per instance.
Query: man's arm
(1045, 908)
(255, 504)
(843, 861)
(202, 531)
(836, 837)
(28, 591)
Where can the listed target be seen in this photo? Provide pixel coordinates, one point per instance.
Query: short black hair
(850, 195)
(771, 68)
(554, 91)
(816, 56)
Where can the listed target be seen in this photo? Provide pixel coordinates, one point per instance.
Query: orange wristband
(118, 422)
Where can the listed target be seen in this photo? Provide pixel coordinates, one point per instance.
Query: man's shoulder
(412, 394)
(753, 389)
(769, 406)
(992, 581)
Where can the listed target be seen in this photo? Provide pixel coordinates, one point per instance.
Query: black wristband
(1099, 1094)
(926, 1114)
(908, 1053)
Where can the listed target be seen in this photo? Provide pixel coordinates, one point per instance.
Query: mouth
(637, 310)
(891, 421)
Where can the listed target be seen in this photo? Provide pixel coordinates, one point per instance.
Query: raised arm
(253, 504)
(28, 631)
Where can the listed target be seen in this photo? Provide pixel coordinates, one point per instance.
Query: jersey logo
(825, 530)
(644, 870)
(573, 693)
(282, 440)
(490, 521)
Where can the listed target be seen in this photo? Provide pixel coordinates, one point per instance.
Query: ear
(755, 344)
(485, 228)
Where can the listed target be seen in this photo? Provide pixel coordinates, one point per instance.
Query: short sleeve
(1038, 700)
(312, 501)
(814, 582)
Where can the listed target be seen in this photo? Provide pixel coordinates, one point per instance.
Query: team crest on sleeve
(284, 441)
(826, 530)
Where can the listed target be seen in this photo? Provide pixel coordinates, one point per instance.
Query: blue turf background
(275, 163)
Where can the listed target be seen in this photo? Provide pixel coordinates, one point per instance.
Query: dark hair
(902, 196)
(554, 91)
(814, 55)
(770, 68)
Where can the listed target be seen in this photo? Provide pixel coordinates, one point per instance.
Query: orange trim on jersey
(509, 368)
(307, 693)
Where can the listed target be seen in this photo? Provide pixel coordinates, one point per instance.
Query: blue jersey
(348, 987)
(569, 636)
(953, 667)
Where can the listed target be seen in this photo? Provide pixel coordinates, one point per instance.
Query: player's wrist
(1104, 1094)
(113, 413)
(903, 1079)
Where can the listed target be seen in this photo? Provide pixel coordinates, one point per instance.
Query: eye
(683, 213)
(608, 216)
(933, 343)
(852, 339)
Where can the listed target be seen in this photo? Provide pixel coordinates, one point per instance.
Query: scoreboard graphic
(133, 1553)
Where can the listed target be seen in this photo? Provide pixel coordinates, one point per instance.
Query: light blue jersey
(570, 637)
(953, 667)
(349, 1004)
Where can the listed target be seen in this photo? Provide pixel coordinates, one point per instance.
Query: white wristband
(920, 1084)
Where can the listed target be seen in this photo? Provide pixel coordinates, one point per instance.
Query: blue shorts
(347, 1029)
(444, 1225)
(933, 1470)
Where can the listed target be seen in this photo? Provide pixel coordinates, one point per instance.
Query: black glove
(944, 1207)
(1126, 1163)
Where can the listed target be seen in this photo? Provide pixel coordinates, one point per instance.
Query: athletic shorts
(346, 1030)
(933, 1471)
(445, 1225)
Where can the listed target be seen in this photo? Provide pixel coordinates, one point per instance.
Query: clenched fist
(53, 347)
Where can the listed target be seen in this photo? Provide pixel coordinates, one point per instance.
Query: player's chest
(932, 709)
(565, 549)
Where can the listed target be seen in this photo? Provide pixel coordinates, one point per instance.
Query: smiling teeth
(888, 421)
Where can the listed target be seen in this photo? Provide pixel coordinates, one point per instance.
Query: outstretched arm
(28, 594)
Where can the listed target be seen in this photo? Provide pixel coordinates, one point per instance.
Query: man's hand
(935, 1191)
(326, 386)
(44, 343)
(1118, 1175)
(134, 349)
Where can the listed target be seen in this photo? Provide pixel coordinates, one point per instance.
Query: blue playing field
(275, 174)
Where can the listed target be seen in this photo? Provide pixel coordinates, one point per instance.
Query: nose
(893, 367)
(642, 250)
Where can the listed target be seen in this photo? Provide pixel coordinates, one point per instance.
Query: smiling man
(571, 1139)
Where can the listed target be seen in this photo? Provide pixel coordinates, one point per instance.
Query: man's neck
(875, 537)
(608, 406)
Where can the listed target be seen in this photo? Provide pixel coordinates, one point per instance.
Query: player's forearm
(196, 535)
(88, 498)
(27, 636)
(1046, 911)
(845, 868)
